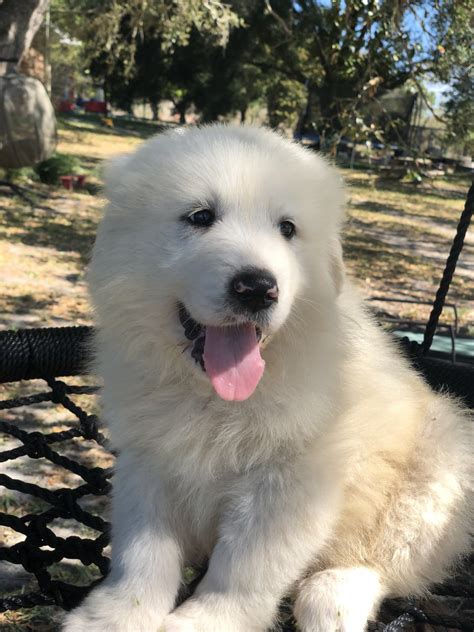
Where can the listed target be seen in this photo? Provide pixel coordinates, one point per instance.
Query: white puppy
(263, 421)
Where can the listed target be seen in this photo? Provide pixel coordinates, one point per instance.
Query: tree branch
(277, 17)
(426, 102)
(290, 74)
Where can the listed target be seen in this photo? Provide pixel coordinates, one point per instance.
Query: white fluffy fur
(343, 479)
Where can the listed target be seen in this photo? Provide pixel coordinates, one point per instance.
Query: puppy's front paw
(175, 623)
(84, 621)
(79, 620)
(197, 616)
(338, 600)
(105, 610)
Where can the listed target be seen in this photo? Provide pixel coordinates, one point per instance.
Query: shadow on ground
(50, 228)
(457, 191)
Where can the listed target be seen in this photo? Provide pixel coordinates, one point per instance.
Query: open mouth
(229, 355)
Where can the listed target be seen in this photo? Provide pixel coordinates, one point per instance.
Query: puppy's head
(211, 238)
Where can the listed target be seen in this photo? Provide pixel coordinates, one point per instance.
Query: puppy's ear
(336, 264)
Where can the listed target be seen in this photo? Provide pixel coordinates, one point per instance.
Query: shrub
(58, 165)
(23, 175)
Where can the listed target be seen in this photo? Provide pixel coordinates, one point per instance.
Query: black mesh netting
(48, 440)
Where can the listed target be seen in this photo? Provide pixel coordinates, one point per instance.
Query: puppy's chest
(211, 443)
(202, 472)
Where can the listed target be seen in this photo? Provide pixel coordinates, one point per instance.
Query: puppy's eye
(204, 217)
(287, 229)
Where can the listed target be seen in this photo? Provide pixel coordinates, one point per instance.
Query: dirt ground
(396, 240)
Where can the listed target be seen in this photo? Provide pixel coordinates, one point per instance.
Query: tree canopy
(324, 61)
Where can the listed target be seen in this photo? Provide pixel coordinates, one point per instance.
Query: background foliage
(321, 62)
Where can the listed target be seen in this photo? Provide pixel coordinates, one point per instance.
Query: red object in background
(67, 182)
(99, 107)
(72, 182)
(66, 106)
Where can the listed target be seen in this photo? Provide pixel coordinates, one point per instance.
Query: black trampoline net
(55, 472)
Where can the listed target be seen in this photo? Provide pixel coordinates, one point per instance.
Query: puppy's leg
(409, 543)
(276, 524)
(338, 600)
(146, 566)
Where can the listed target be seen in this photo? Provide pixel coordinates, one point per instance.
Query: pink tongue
(232, 360)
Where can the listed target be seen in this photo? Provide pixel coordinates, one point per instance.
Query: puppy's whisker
(307, 301)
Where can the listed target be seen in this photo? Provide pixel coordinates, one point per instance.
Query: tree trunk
(154, 109)
(182, 107)
(19, 22)
(334, 100)
(305, 114)
(243, 114)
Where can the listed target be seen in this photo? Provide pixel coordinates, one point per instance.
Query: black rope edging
(49, 351)
(449, 270)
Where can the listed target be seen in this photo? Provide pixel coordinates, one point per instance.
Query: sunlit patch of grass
(47, 618)
(398, 236)
(39, 619)
(75, 574)
(14, 504)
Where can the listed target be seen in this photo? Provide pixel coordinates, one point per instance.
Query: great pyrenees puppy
(263, 421)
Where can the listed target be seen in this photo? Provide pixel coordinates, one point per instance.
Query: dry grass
(44, 250)
(396, 239)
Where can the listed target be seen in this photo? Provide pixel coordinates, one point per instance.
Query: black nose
(254, 289)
